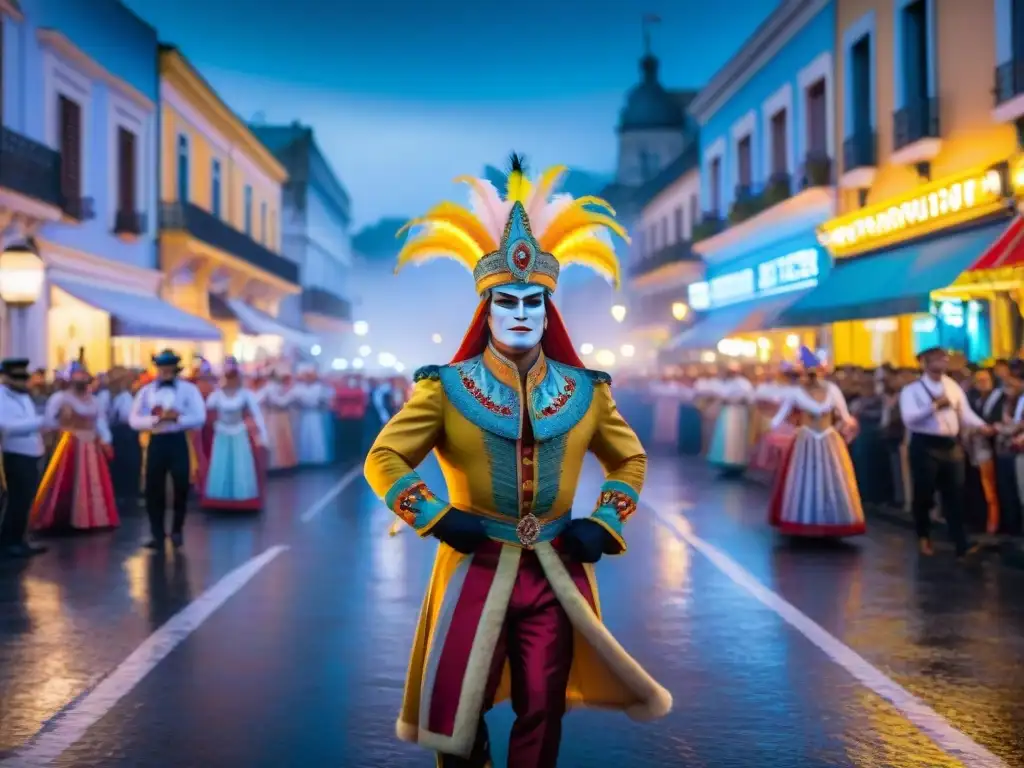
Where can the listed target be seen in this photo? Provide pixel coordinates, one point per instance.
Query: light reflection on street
(54, 680)
(673, 558)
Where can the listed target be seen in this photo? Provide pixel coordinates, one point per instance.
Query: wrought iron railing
(29, 168)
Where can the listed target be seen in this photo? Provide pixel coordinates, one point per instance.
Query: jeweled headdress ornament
(525, 237)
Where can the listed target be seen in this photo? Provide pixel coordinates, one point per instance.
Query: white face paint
(517, 316)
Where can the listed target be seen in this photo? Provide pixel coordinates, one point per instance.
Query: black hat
(15, 367)
(929, 352)
(167, 357)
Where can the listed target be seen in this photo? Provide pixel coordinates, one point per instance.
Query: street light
(619, 313)
(386, 360)
(628, 350)
(586, 349)
(339, 364)
(315, 350)
(364, 351)
(680, 310)
(436, 338)
(399, 367)
(22, 280)
(360, 327)
(605, 358)
(357, 363)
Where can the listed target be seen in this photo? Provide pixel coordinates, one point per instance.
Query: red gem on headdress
(522, 256)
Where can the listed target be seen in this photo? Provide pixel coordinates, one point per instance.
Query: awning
(257, 323)
(136, 314)
(748, 317)
(1007, 250)
(893, 282)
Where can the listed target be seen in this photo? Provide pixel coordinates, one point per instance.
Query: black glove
(585, 541)
(460, 531)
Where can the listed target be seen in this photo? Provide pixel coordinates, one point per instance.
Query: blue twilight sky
(405, 94)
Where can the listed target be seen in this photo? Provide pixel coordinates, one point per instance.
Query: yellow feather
(462, 218)
(597, 202)
(572, 219)
(436, 245)
(517, 187)
(598, 257)
(579, 237)
(547, 182)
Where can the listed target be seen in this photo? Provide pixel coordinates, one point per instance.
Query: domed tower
(653, 125)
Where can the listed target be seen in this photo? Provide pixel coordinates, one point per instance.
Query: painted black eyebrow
(513, 297)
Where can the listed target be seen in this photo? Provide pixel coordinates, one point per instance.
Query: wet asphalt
(303, 666)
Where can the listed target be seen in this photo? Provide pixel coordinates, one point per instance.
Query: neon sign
(791, 272)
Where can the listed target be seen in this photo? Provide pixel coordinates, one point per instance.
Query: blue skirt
(730, 448)
(233, 478)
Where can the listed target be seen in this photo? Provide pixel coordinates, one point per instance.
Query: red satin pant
(537, 643)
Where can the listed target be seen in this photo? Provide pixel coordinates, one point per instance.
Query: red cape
(556, 343)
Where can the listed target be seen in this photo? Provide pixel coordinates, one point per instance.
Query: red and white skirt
(76, 491)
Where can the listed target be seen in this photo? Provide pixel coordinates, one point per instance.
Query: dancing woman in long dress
(730, 443)
(816, 491)
(76, 491)
(235, 476)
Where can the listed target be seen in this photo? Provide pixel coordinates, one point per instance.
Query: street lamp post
(22, 275)
(619, 312)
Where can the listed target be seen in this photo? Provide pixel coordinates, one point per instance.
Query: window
(126, 171)
(664, 232)
(1, 69)
(1017, 29)
(817, 120)
(860, 76)
(914, 52)
(263, 222)
(744, 166)
(780, 166)
(694, 213)
(182, 168)
(215, 190)
(679, 224)
(247, 212)
(70, 117)
(272, 241)
(715, 187)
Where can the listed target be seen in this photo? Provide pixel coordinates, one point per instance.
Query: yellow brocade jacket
(471, 415)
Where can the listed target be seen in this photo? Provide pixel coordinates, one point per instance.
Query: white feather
(488, 206)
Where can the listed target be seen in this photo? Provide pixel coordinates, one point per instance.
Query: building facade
(767, 147)
(220, 221)
(316, 236)
(80, 93)
(923, 247)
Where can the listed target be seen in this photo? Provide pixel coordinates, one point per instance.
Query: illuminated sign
(791, 272)
(929, 208)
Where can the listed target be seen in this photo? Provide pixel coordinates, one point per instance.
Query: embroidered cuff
(615, 506)
(414, 503)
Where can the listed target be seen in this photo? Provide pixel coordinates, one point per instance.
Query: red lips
(520, 329)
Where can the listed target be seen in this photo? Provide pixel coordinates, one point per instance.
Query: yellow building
(925, 187)
(220, 219)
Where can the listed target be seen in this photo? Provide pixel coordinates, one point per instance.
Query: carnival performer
(167, 408)
(816, 492)
(307, 396)
(730, 447)
(22, 441)
(510, 420)
(276, 400)
(350, 402)
(689, 414)
(126, 468)
(706, 399)
(76, 491)
(235, 478)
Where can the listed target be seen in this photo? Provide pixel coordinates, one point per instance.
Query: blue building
(80, 100)
(767, 148)
(316, 236)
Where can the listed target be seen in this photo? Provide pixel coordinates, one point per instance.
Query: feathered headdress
(808, 359)
(524, 237)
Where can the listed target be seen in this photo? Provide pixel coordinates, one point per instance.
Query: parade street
(281, 640)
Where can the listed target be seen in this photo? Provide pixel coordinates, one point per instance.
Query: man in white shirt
(167, 408)
(935, 411)
(20, 435)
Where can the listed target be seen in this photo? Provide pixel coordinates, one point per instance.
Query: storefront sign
(929, 208)
(794, 271)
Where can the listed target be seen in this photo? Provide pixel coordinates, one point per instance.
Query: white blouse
(231, 409)
(88, 409)
(798, 399)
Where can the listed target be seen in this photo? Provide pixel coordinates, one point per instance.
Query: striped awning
(1006, 251)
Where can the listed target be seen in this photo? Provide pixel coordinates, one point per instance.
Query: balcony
(1008, 91)
(318, 301)
(751, 201)
(204, 226)
(710, 224)
(678, 252)
(78, 208)
(860, 157)
(29, 168)
(915, 132)
(816, 171)
(130, 223)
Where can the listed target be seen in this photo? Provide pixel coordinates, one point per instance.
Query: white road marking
(346, 480)
(928, 721)
(71, 725)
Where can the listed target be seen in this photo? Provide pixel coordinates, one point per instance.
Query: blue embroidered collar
(487, 391)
